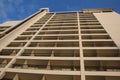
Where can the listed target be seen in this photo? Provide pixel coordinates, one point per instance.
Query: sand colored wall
(111, 22)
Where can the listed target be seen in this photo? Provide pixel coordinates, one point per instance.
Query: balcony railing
(2, 65)
(102, 68)
(46, 67)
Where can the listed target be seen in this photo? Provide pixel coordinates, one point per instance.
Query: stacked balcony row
(62, 65)
(25, 76)
(63, 53)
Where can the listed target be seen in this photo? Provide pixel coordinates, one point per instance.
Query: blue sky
(20, 9)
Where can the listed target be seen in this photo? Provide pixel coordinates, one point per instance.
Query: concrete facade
(81, 45)
(5, 27)
(111, 22)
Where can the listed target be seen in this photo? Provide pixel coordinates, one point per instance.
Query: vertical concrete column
(13, 34)
(81, 50)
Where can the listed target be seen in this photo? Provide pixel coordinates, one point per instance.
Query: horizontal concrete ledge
(49, 58)
(102, 58)
(56, 72)
(103, 48)
(4, 57)
(101, 40)
(43, 71)
(94, 34)
(45, 48)
(62, 58)
(63, 48)
(102, 73)
(90, 40)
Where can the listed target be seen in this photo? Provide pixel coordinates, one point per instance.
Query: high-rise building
(76, 45)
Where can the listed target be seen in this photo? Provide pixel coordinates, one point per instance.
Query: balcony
(98, 44)
(64, 65)
(9, 52)
(4, 62)
(23, 38)
(32, 29)
(87, 27)
(58, 32)
(93, 32)
(51, 53)
(56, 37)
(102, 65)
(25, 76)
(16, 44)
(59, 27)
(21, 76)
(96, 37)
(101, 53)
(28, 33)
(53, 44)
(102, 77)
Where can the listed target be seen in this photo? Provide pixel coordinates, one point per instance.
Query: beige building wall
(10, 23)
(111, 22)
(62, 46)
(9, 37)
